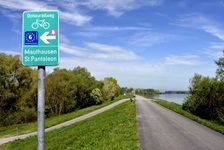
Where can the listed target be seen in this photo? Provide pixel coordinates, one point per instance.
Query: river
(177, 98)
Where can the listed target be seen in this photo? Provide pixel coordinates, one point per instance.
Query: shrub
(206, 98)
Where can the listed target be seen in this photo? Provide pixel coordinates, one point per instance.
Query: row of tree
(146, 92)
(206, 95)
(176, 92)
(66, 91)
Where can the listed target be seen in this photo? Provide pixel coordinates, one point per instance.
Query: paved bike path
(163, 129)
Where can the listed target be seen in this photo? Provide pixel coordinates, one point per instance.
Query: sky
(157, 44)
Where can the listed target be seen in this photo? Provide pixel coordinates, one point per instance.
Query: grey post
(41, 106)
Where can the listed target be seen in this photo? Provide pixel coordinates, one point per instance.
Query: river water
(177, 98)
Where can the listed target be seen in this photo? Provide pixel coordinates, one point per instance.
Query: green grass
(49, 122)
(178, 109)
(113, 129)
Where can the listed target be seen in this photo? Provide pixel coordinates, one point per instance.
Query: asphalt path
(5, 140)
(163, 129)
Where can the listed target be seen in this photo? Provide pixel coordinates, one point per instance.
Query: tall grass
(114, 129)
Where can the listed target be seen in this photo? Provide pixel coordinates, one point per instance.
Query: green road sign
(40, 38)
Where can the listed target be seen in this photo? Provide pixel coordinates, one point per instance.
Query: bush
(28, 115)
(96, 96)
(206, 98)
(23, 116)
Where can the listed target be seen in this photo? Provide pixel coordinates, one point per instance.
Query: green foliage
(113, 129)
(15, 81)
(206, 96)
(110, 88)
(66, 91)
(150, 93)
(84, 83)
(146, 91)
(59, 92)
(122, 90)
(220, 70)
(96, 96)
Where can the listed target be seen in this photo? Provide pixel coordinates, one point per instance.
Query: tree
(84, 83)
(123, 90)
(59, 92)
(96, 96)
(220, 70)
(66, 90)
(206, 96)
(110, 88)
(15, 82)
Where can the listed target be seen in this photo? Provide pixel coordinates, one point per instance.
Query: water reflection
(177, 98)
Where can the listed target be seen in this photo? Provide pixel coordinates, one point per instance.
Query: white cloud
(146, 39)
(71, 16)
(182, 60)
(111, 52)
(141, 74)
(64, 39)
(213, 53)
(87, 34)
(10, 52)
(125, 72)
(25, 5)
(74, 18)
(199, 22)
(99, 51)
(115, 28)
(104, 48)
(192, 20)
(218, 46)
(118, 7)
(214, 30)
(72, 12)
(73, 50)
(203, 23)
(94, 31)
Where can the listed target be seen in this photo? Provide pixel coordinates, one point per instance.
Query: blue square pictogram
(31, 38)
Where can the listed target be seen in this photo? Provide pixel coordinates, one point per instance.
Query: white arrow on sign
(45, 38)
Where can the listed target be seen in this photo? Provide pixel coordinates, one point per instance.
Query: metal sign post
(41, 106)
(40, 47)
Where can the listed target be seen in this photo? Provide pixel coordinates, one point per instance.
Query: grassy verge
(49, 122)
(114, 129)
(178, 108)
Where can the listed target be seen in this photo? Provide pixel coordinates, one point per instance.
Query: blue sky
(156, 44)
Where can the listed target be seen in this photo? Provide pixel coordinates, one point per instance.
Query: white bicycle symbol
(41, 23)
